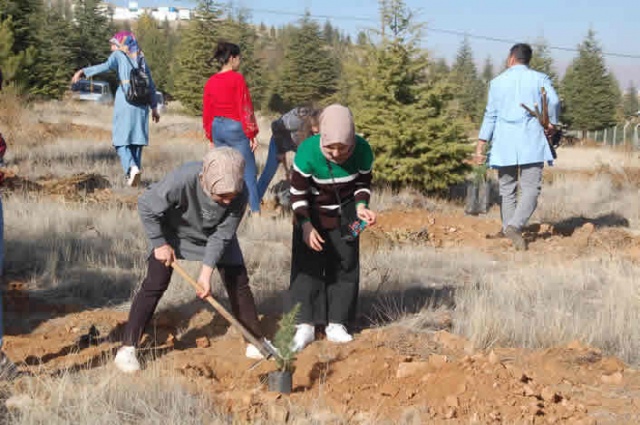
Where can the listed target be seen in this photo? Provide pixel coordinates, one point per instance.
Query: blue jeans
(228, 132)
(270, 168)
(1, 269)
(130, 155)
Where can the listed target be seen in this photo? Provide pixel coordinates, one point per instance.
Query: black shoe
(516, 238)
(8, 370)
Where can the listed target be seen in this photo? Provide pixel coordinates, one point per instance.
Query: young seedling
(283, 340)
(282, 380)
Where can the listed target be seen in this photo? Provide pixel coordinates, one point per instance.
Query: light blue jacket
(516, 137)
(130, 122)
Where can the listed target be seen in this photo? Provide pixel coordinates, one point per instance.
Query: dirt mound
(82, 182)
(573, 237)
(84, 187)
(385, 374)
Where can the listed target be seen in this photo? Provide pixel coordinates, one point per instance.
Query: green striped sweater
(313, 188)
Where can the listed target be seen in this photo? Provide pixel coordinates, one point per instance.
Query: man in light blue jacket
(519, 146)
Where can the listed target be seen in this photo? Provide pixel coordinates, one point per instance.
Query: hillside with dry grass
(454, 327)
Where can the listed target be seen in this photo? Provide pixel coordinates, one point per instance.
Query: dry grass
(594, 197)
(103, 397)
(581, 158)
(547, 304)
(94, 256)
(78, 253)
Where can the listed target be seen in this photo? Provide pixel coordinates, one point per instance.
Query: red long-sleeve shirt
(226, 95)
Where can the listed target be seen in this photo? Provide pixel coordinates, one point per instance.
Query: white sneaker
(305, 335)
(253, 352)
(134, 176)
(126, 360)
(338, 333)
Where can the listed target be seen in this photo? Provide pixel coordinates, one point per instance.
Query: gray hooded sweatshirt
(176, 211)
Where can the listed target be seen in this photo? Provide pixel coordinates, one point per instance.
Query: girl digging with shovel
(193, 214)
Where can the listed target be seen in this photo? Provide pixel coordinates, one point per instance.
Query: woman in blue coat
(130, 123)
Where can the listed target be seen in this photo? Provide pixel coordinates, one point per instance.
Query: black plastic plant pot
(280, 382)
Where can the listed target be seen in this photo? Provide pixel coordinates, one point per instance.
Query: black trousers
(325, 283)
(236, 282)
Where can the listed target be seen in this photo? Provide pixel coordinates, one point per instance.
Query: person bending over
(193, 214)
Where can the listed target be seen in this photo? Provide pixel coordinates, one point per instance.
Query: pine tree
(310, 71)
(236, 29)
(487, 71)
(542, 61)
(92, 31)
(173, 41)
(25, 23)
(589, 90)
(468, 87)
(54, 64)
(439, 70)
(20, 20)
(158, 51)
(283, 340)
(403, 113)
(195, 55)
(631, 105)
(10, 62)
(328, 33)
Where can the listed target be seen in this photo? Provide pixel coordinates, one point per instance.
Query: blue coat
(516, 137)
(130, 123)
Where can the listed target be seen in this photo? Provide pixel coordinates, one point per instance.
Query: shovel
(264, 349)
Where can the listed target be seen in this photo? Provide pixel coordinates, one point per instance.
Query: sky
(563, 23)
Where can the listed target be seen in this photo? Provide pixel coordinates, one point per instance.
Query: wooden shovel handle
(260, 345)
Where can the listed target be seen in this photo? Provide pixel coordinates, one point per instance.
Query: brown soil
(573, 238)
(82, 187)
(390, 373)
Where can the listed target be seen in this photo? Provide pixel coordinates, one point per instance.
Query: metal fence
(623, 134)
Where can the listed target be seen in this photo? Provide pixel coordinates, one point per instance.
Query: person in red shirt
(227, 114)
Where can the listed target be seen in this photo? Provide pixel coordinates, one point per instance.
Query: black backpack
(139, 92)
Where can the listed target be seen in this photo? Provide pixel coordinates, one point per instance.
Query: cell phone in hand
(357, 227)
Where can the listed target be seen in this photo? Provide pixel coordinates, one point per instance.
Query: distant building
(165, 13)
(133, 11)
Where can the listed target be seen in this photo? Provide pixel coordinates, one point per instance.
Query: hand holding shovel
(264, 349)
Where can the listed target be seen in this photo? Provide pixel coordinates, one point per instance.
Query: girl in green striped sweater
(331, 177)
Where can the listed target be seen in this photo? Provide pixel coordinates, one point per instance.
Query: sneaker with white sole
(253, 352)
(126, 359)
(305, 335)
(134, 176)
(338, 333)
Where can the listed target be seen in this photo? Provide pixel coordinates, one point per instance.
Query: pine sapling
(283, 340)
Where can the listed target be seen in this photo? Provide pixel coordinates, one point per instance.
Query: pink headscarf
(336, 126)
(222, 171)
(126, 41)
